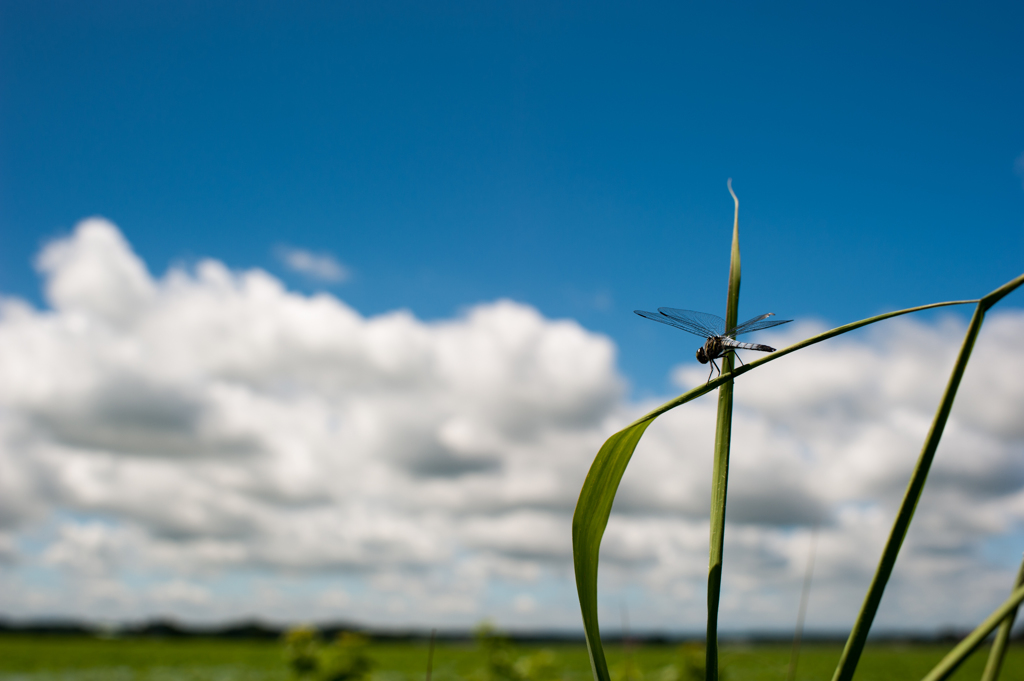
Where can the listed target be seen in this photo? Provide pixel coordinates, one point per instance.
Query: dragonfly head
(702, 356)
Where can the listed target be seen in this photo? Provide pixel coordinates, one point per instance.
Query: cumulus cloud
(320, 266)
(210, 444)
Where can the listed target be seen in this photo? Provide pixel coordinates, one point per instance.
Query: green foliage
(503, 663)
(540, 666)
(347, 658)
(302, 650)
(497, 651)
(692, 662)
(690, 665)
(83, 658)
(627, 670)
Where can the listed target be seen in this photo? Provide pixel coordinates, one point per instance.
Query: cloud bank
(208, 444)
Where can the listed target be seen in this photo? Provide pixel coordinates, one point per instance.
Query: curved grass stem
(859, 634)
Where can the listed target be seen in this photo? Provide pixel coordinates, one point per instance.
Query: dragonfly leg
(713, 367)
(737, 356)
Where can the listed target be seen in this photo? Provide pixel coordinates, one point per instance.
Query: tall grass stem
(805, 595)
(430, 653)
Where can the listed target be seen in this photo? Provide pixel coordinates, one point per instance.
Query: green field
(80, 658)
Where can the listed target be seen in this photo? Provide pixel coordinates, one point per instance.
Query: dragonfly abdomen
(730, 343)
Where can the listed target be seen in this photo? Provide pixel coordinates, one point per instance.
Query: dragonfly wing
(698, 323)
(757, 323)
(671, 322)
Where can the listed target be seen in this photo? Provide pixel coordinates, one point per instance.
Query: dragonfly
(712, 327)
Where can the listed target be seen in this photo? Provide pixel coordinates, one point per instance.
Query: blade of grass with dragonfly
(859, 634)
(594, 505)
(720, 472)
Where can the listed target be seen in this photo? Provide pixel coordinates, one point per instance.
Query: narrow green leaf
(963, 650)
(998, 651)
(720, 472)
(588, 524)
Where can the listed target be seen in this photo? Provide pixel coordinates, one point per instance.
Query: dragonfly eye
(702, 356)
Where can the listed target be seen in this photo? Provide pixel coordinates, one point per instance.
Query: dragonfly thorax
(710, 350)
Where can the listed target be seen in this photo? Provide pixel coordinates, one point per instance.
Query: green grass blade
(720, 472)
(998, 652)
(962, 651)
(859, 634)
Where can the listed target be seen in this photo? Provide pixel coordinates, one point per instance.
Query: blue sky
(569, 157)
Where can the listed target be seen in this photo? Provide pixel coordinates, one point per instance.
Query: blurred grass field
(82, 658)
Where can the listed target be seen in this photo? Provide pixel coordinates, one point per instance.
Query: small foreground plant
(502, 663)
(347, 658)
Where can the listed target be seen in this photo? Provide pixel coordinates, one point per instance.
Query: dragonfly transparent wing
(658, 317)
(699, 323)
(756, 324)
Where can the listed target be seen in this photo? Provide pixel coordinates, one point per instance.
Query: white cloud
(210, 444)
(320, 266)
(95, 274)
